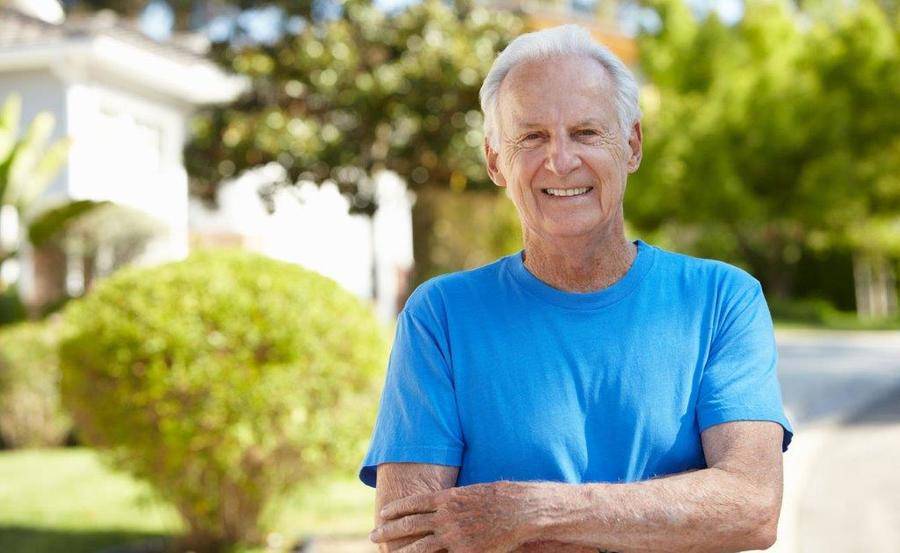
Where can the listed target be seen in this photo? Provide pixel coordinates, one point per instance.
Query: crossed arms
(733, 505)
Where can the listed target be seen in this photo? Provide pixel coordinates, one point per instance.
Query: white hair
(570, 40)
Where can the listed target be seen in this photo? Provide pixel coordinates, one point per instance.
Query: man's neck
(579, 264)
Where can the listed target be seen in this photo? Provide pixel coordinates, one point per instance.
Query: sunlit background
(211, 212)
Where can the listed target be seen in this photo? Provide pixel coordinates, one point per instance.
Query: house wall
(127, 149)
(393, 243)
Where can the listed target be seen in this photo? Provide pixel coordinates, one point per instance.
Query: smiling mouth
(567, 192)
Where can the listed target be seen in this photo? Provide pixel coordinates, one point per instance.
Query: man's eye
(531, 136)
(587, 132)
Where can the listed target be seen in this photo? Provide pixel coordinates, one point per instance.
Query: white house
(124, 100)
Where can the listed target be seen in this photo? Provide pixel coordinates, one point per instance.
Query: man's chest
(585, 399)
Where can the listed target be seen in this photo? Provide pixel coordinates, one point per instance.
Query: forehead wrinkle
(535, 72)
(590, 121)
(524, 88)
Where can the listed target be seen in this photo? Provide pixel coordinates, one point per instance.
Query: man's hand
(400, 480)
(482, 518)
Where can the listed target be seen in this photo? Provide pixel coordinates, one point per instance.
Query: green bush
(810, 310)
(30, 410)
(223, 380)
(821, 313)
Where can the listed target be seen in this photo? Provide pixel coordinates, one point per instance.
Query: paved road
(851, 501)
(826, 376)
(842, 483)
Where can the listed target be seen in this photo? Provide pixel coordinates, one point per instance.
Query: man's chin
(569, 232)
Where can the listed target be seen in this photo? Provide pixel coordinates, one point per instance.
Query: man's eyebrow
(583, 123)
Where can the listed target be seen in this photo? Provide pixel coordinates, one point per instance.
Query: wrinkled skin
(484, 518)
(481, 518)
(399, 480)
(559, 128)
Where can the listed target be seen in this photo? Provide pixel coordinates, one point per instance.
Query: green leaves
(367, 90)
(48, 224)
(27, 164)
(31, 413)
(781, 133)
(225, 379)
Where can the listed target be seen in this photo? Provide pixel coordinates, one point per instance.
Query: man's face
(558, 129)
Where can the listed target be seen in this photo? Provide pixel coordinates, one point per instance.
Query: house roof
(27, 42)
(18, 29)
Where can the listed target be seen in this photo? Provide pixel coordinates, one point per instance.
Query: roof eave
(197, 83)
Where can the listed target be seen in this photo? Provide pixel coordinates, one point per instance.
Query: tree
(366, 91)
(27, 166)
(773, 137)
(196, 15)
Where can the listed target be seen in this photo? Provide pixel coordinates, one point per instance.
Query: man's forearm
(698, 511)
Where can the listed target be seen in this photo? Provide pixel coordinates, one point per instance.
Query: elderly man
(588, 392)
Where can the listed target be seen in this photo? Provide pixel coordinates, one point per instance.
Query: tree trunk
(49, 278)
(875, 285)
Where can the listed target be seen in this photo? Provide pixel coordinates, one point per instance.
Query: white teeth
(566, 192)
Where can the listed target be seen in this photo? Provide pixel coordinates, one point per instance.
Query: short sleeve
(417, 420)
(740, 379)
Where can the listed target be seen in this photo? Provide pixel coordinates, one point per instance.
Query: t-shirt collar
(583, 300)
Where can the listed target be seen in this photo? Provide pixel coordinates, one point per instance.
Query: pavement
(841, 391)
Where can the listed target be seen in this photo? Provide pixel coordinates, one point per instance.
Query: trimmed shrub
(30, 411)
(223, 380)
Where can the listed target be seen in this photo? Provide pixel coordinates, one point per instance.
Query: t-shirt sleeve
(417, 418)
(740, 379)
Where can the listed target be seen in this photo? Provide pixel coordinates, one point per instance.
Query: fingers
(428, 544)
(418, 503)
(410, 525)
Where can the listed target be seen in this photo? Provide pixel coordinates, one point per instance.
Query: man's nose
(562, 158)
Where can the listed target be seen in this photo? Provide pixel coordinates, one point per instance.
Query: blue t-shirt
(499, 373)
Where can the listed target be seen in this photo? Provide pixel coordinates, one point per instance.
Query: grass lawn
(66, 500)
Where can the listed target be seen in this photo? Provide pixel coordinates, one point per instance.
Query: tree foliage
(774, 136)
(365, 91)
(192, 15)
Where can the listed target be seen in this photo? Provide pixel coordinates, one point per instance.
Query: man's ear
(635, 146)
(493, 169)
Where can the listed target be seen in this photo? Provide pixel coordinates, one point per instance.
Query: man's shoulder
(708, 273)
(433, 295)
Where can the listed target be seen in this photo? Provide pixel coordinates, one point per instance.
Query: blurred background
(211, 212)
